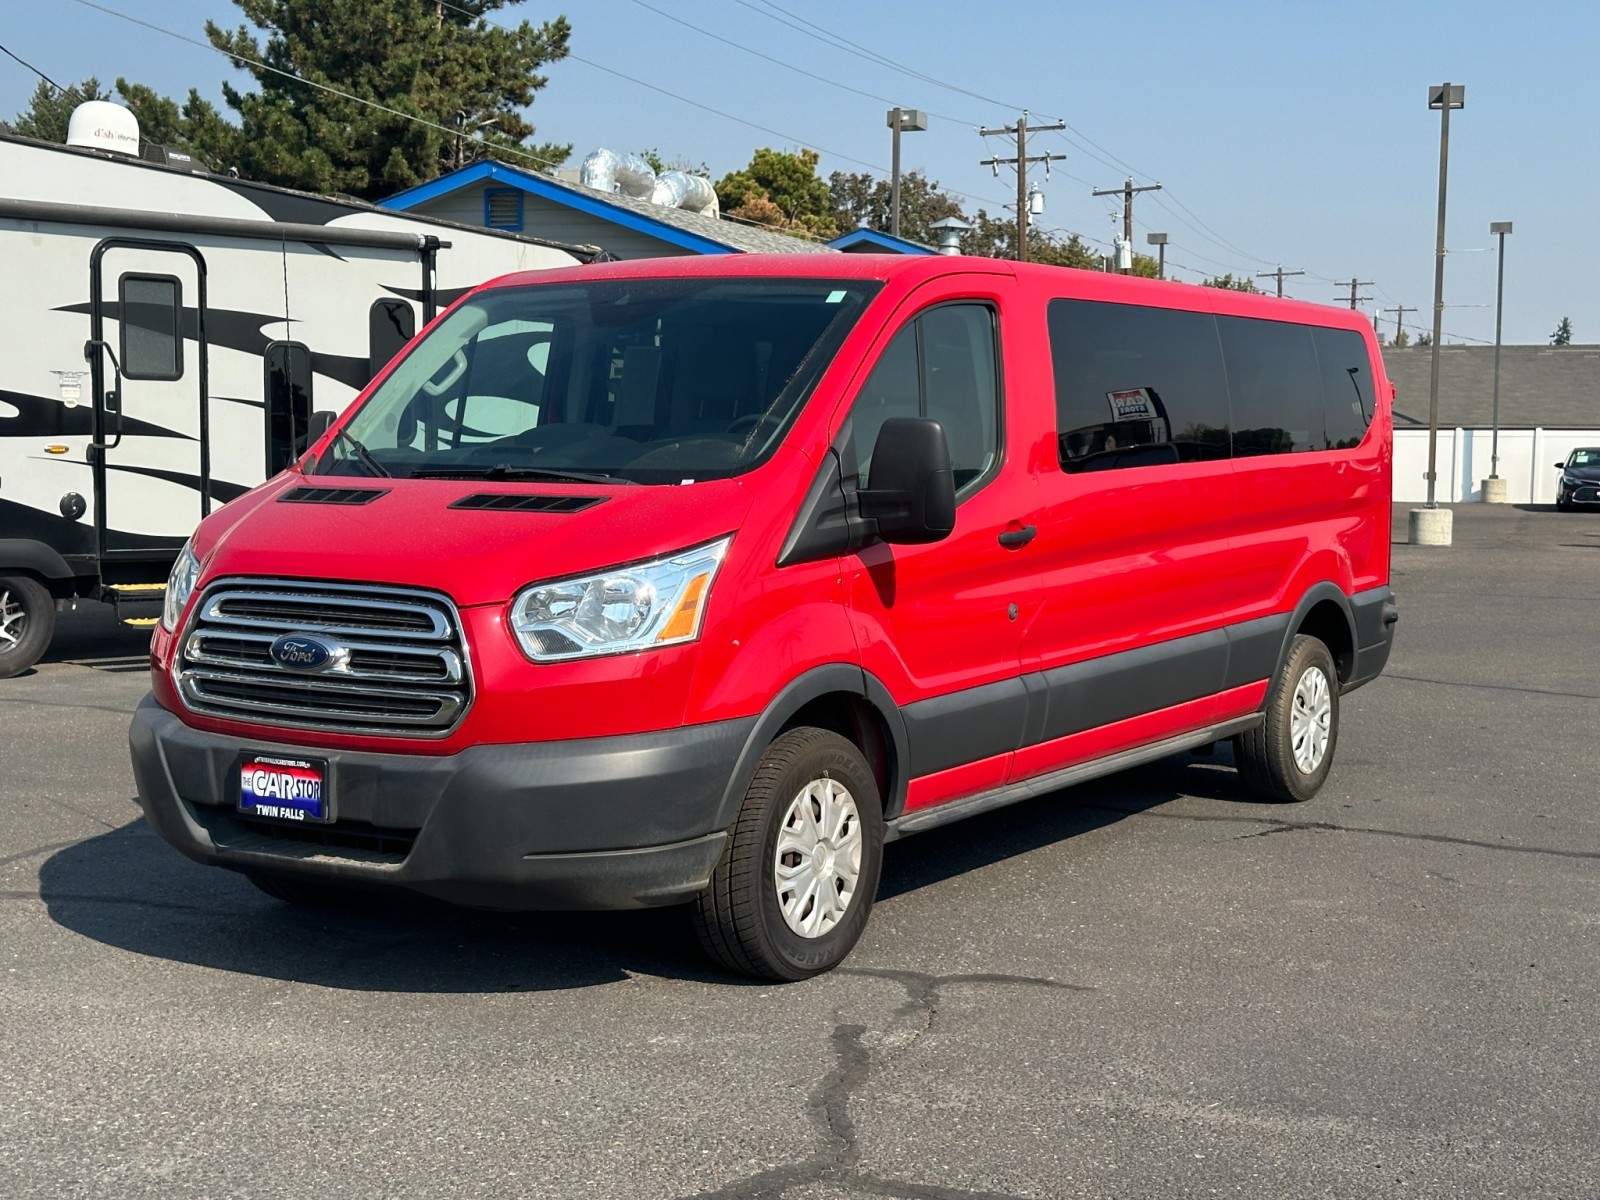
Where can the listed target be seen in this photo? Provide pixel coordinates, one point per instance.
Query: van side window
(1136, 386)
(390, 325)
(1275, 385)
(942, 365)
(287, 367)
(1346, 386)
(151, 311)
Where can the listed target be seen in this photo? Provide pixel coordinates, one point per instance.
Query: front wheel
(1287, 756)
(792, 891)
(27, 619)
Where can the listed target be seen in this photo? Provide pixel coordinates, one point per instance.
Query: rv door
(148, 362)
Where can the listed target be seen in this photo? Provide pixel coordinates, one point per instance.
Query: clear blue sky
(1292, 132)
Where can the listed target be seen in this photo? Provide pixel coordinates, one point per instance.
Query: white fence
(1527, 458)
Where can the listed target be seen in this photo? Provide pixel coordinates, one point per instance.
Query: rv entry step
(137, 604)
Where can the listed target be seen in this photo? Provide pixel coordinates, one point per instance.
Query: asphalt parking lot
(1147, 986)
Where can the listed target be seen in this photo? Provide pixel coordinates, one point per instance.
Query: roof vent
(102, 125)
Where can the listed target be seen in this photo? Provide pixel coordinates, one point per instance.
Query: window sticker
(1133, 404)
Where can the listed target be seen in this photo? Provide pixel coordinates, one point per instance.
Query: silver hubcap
(13, 620)
(1310, 718)
(818, 857)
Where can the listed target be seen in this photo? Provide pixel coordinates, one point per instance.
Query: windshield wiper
(507, 471)
(363, 454)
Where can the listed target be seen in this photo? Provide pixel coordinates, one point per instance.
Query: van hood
(412, 535)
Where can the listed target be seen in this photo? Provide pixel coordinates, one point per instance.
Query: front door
(148, 364)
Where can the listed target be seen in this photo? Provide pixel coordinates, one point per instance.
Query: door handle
(1013, 539)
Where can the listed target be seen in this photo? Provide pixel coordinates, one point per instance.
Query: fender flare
(829, 679)
(27, 555)
(1315, 595)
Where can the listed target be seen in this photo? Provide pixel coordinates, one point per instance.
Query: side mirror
(910, 492)
(1561, 466)
(321, 421)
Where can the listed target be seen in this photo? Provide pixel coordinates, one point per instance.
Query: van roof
(908, 270)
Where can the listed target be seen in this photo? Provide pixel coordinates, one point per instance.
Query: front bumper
(616, 822)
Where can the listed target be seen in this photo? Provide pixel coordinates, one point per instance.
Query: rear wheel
(794, 887)
(27, 619)
(1288, 756)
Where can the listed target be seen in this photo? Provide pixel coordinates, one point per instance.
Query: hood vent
(521, 502)
(332, 495)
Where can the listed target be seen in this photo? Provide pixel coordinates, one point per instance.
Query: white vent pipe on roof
(608, 171)
(692, 193)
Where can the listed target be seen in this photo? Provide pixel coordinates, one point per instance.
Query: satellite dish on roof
(102, 125)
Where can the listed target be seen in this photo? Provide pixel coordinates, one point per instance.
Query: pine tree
(1563, 334)
(431, 79)
(50, 109)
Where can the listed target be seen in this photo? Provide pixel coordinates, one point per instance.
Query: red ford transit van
(698, 581)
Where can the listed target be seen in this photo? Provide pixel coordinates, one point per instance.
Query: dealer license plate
(284, 789)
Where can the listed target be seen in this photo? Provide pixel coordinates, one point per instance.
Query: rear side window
(942, 365)
(1275, 386)
(1136, 386)
(1346, 386)
(151, 310)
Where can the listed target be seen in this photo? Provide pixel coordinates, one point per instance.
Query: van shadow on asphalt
(130, 890)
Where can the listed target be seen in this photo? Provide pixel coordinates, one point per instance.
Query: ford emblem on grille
(301, 652)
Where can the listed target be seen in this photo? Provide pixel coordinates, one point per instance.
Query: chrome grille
(403, 671)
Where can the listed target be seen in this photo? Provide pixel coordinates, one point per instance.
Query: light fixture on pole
(1159, 240)
(1494, 488)
(907, 120)
(1430, 526)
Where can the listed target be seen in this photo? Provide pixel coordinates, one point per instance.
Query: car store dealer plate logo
(301, 652)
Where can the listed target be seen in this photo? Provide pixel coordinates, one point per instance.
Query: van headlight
(635, 607)
(180, 585)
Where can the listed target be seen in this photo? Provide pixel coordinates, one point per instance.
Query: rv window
(288, 402)
(1136, 386)
(390, 325)
(150, 308)
(1275, 386)
(1346, 386)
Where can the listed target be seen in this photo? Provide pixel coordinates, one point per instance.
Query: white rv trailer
(165, 336)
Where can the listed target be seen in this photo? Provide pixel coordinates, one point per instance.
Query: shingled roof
(1556, 387)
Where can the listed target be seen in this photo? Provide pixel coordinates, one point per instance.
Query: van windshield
(652, 381)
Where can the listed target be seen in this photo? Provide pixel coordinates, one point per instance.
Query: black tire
(739, 918)
(305, 893)
(27, 621)
(1266, 755)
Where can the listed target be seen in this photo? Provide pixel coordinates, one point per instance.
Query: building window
(150, 309)
(287, 392)
(502, 208)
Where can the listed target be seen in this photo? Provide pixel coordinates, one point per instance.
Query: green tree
(1424, 340)
(1401, 340)
(422, 61)
(50, 108)
(861, 201)
(996, 237)
(782, 190)
(1563, 334)
(1242, 284)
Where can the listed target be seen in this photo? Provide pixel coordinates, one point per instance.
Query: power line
(33, 68)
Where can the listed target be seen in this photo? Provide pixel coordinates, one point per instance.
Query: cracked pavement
(1144, 986)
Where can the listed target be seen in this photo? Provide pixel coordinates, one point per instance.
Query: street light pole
(1159, 240)
(1494, 488)
(911, 120)
(1430, 526)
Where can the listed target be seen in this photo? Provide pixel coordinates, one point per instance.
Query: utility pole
(1399, 320)
(1278, 274)
(1353, 283)
(1021, 129)
(1128, 191)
